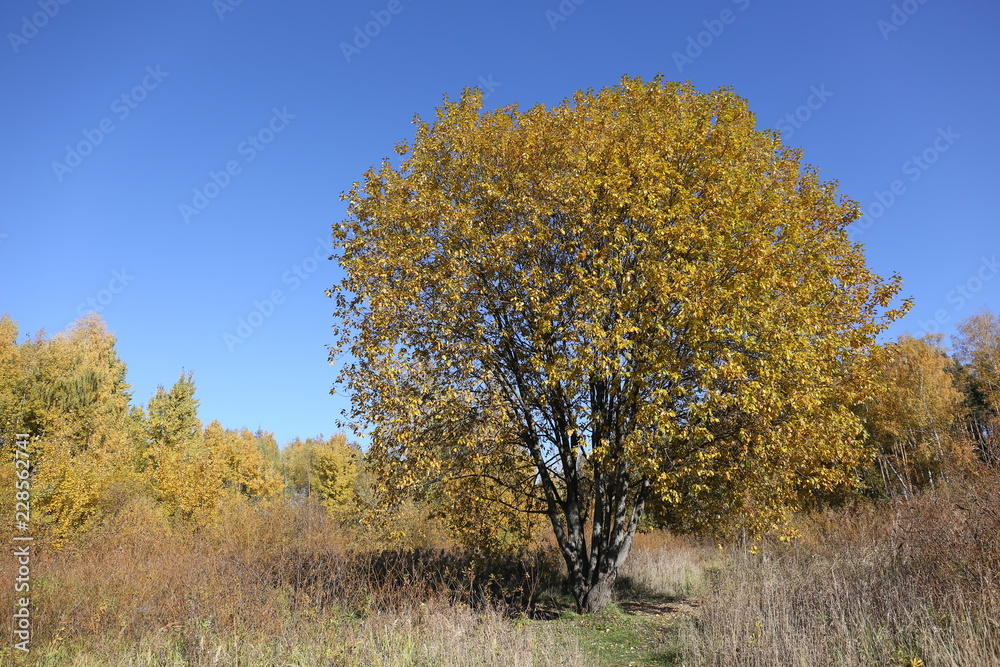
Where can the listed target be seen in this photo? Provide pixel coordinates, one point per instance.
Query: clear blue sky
(287, 103)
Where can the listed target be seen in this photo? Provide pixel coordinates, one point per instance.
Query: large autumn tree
(634, 297)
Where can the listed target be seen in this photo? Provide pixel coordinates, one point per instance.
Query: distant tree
(335, 473)
(242, 467)
(325, 468)
(916, 420)
(182, 473)
(268, 447)
(70, 395)
(977, 348)
(297, 459)
(636, 294)
(11, 381)
(172, 419)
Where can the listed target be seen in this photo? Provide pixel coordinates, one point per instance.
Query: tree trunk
(598, 595)
(593, 568)
(607, 496)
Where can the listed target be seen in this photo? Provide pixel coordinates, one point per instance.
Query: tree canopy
(633, 297)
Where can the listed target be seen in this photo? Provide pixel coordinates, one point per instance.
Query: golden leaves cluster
(328, 469)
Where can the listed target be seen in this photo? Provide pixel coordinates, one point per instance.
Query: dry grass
(909, 582)
(428, 635)
(662, 565)
(277, 584)
(904, 582)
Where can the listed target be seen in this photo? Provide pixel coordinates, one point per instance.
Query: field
(897, 582)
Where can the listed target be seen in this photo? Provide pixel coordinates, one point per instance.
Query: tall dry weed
(664, 565)
(902, 582)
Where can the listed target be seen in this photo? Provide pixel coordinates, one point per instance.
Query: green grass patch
(616, 637)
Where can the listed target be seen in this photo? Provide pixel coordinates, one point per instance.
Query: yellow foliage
(978, 351)
(92, 454)
(245, 469)
(335, 470)
(329, 468)
(188, 483)
(73, 400)
(191, 469)
(915, 419)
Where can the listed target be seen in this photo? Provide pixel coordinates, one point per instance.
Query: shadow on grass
(631, 597)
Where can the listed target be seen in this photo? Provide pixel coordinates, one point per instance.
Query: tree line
(94, 449)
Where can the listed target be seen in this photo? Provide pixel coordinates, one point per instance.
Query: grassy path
(632, 632)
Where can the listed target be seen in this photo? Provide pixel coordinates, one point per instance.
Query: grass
(655, 594)
(617, 637)
(277, 584)
(905, 582)
(443, 636)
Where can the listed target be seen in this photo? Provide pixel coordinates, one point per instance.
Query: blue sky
(178, 165)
